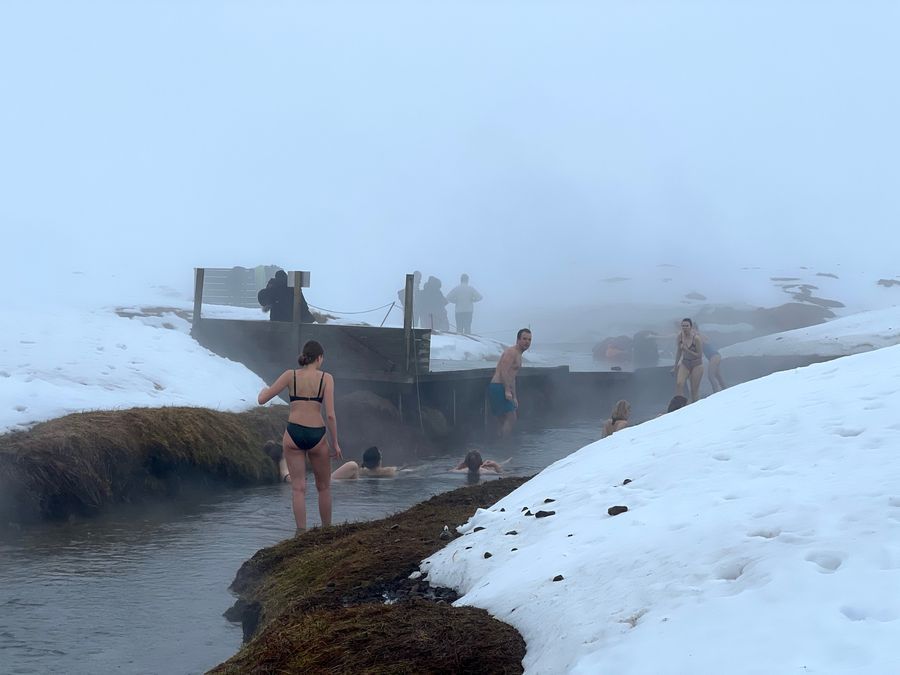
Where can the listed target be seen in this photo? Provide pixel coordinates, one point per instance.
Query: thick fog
(541, 147)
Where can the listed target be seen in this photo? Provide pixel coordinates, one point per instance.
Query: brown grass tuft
(316, 602)
(82, 462)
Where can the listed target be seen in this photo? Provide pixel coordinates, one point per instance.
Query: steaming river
(143, 591)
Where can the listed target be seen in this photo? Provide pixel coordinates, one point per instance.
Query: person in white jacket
(464, 297)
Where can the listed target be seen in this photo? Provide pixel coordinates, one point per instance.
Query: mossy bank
(340, 600)
(84, 462)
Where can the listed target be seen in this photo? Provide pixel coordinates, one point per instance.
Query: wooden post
(199, 273)
(407, 322)
(296, 314)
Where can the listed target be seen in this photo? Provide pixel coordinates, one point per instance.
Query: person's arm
(268, 393)
(330, 419)
(384, 472)
(677, 352)
(513, 371)
(460, 466)
(283, 471)
(452, 295)
(346, 471)
(476, 296)
(491, 465)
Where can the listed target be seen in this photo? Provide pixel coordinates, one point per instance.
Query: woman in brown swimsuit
(688, 360)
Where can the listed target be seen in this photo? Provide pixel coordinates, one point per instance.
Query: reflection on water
(143, 591)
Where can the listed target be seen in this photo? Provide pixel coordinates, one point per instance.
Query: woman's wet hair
(311, 351)
(620, 410)
(473, 461)
(274, 450)
(689, 322)
(371, 458)
(676, 403)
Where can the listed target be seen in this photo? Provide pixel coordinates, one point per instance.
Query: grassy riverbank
(317, 603)
(81, 463)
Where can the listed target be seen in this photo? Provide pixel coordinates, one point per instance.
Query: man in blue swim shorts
(502, 389)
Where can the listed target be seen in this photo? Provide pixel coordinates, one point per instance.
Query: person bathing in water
(311, 392)
(371, 467)
(276, 453)
(502, 388)
(475, 465)
(618, 419)
(688, 360)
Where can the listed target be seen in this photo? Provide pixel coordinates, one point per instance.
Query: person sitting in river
(618, 419)
(306, 436)
(474, 464)
(371, 467)
(276, 453)
(676, 403)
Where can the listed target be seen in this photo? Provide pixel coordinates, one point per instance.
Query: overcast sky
(539, 146)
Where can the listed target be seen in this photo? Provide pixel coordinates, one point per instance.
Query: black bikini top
(317, 398)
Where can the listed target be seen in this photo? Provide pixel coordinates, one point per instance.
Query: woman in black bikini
(688, 360)
(305, 436)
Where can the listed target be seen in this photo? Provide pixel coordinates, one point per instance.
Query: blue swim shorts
(500, 405)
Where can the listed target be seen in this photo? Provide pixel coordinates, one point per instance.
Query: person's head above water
(473, 461)
(621, 410)
(312, 350)
(676, 403)
(464, 278)
(281, 278)
(371, 458)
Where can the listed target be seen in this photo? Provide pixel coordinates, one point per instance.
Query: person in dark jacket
(277, 298)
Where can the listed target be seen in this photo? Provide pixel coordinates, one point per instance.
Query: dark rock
(544, 514)
(528, 513)
(626, 481)
(558, 577)
(512, 532)
(487, 554)
(502, 510)
(548, 500)
(513, 549)
(616, 510)
(478, 529)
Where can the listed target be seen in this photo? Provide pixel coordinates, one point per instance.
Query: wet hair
(676, 403)
(311, 351)
(473, 461)
(464, 278)
(274, 450)
(371, 458)
(690, 323)
(522, 332)
(620, 410)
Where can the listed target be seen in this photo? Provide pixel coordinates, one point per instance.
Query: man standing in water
(502, 389)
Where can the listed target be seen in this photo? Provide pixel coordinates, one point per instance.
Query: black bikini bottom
(305, 438)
